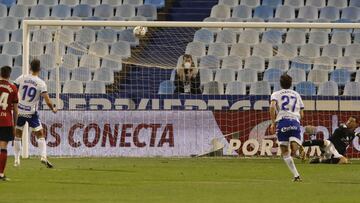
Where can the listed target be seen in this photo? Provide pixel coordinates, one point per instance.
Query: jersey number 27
(288, 102)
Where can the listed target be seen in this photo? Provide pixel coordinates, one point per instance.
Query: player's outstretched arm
(45, 95)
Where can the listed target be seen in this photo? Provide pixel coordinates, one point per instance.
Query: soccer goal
(113, 82)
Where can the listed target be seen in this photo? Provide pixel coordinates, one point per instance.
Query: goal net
(115, 89)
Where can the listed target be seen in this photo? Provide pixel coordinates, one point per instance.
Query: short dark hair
(5, 72)
(35, 65)
(285, 81)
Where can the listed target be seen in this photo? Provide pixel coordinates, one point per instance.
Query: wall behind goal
(181, 125)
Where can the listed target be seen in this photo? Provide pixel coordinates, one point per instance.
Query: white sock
(290, 163)
(42, 147)
(17, 148)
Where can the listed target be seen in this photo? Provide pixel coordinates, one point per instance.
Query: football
(140, 31)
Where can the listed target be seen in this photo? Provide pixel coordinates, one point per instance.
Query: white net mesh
(239, 68)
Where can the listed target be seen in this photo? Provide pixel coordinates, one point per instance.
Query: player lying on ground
(334, 149)
(8, 115)
(286, 110)
(31, 87)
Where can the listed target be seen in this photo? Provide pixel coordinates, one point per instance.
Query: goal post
(236, 116)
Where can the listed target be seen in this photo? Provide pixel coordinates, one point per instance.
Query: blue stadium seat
(86, 36)
(206, 75)
(128, 36)
(89, 61)
(255, 62)
(8, 3)
(287, 50)
(306, 88)
(296, 37)
(351, 13)
(279, 62)
(40, 11)
(226, 36)
(121, 48)
(264, 12)
(3, 10)
(214, 88)
(114, 65)
(104, 11)
(148, 11)
(346, 62)
(241, 49)
(260, 88)
(112, 2)
(247, 76)
(82, 11)
(73, 87)
(107, 36)
(6, 60)
(61, 11)
(204, 35)
(329, 13)
(15, 73)
(324, 63)
(12, 48)
(220, 11)
(355, 3)
(209, 62)
(48, 2)
(316, 3)
(18, 60)
(318, 76)
(294, 3)
(95, 87)
(82, 74)
(297, 74)
(250, 3)
(329, 88)
(218, 49)
(233, 62)
(92, 3)
(126, 11)
(63, 76)
(242, 11)
(272, 3)
(338, 3)
(310, 50)
(340, 76)
(166, 87)
(308, 13)
(264, 50)
(341, 38)
(47, 61)
(249, 37)
(133, 2)
(196, 49)
(332, 50)
(352, 88)
(352, 50)
(43, 35)
(319, 38)
(302, 63)
(27, 2)
(235, 88)
(4, 36)
(285, 12)
(70, 3)
(272, 37)
(225, 75)
(272, 75)
(105, 75)
(19, 11)
(157, 3)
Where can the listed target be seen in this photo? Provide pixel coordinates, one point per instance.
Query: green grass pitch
(178, 180)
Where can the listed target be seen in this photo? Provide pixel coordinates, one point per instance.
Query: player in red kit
(8, 115)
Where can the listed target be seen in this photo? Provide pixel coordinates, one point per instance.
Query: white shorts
(330, 150)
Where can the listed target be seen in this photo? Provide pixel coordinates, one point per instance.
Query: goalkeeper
(334, 149)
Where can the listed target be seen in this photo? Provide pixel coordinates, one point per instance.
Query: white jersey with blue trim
(30, 89)
(288, 104)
